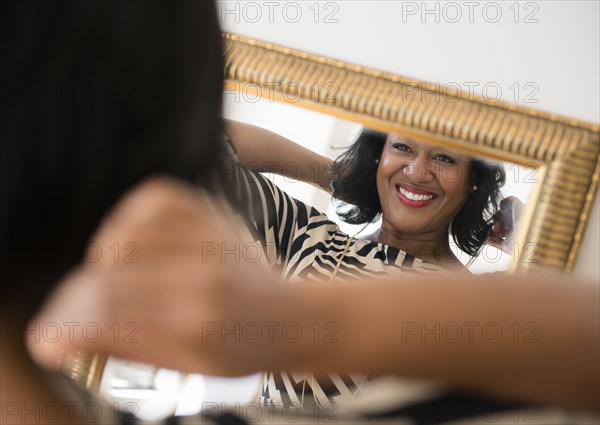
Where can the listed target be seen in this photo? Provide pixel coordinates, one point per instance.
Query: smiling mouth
(415, 196)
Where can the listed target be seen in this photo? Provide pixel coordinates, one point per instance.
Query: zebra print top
(303, 243)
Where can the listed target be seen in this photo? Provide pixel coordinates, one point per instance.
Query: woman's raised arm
(264, 151)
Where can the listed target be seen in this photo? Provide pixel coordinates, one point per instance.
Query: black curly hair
(354, 183)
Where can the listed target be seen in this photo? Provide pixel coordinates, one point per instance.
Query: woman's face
(421, 187)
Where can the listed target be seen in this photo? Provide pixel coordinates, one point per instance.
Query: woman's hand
(505, 220)
(183, 298)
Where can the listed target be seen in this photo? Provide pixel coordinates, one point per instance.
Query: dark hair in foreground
(355, 183)
(96, 97)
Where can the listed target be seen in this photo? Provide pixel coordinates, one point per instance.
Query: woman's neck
(430, 247)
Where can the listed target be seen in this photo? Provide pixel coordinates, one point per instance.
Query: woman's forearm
(520, 338)
(264, 151)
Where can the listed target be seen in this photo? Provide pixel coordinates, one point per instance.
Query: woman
(422, 192)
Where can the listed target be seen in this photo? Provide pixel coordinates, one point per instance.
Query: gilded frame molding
(565, 151)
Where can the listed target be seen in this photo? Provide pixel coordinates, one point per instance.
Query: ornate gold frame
(565, 151)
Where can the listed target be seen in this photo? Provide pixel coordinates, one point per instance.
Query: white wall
(559, 54)
(542, 54)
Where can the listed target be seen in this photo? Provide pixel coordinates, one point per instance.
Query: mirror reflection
(331, 137)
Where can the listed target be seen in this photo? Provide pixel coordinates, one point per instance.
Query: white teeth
(414, 196)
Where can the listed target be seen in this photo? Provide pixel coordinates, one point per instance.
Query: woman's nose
(410, 169)
(418, 170)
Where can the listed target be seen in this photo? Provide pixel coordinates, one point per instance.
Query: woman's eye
(446, 159)
(401, 147)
